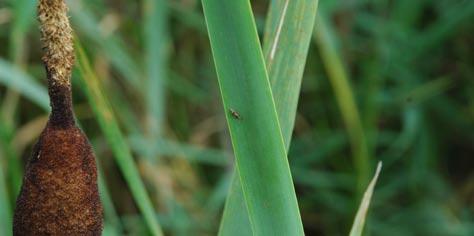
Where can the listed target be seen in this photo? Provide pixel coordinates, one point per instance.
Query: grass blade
(155, 14)
(6, 212)
(112, 45)
(439, 31)
(110, 214)
(22, 11)
(165, 147)
(345, 98)
(287, 37)
(14, 78)
(14, 172)
(252, 119)
(359, 220)
(110, 128)
(286, 43)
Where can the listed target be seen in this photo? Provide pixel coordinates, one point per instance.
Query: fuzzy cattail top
(57, 40)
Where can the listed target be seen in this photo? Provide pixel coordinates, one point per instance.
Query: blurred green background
(411, 69)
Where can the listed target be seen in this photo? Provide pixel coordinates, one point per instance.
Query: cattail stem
(61, 106)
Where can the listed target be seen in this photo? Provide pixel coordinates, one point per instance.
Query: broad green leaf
(106, 119)
(287, 37)
(252, 119)
(359, 220)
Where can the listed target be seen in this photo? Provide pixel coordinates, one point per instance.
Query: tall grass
(345, 99)
(114, 136)
(406, 67)
(156, 48)
(15, 78)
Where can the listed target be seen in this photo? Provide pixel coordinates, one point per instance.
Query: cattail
(59, 195)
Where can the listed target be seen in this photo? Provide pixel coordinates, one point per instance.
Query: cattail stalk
(59, 195)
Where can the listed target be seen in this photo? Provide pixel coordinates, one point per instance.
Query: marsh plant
(59, 194)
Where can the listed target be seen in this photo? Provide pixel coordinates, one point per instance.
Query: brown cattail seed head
(59, 194)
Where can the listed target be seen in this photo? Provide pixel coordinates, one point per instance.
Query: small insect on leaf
(235, 114)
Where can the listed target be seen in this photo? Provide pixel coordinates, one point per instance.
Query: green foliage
(110, 128)
(383, 80)
(15, 79)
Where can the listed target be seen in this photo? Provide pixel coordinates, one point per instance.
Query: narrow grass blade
(6, 212)
(22, 12)
(287, 37)
(5, 203)
(22, 22)
(186, 89)
(14, 171)
(14, 78)
(172, 148)
(189, 18)
(359, 220)
(103, 112)
(112, 45)
(345, 98)
(218, 196)
(156, 39)
(110, 214)
(252, 119)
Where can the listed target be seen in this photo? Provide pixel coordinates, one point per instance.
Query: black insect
(235, 114)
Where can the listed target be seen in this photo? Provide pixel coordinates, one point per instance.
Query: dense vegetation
(384, 80)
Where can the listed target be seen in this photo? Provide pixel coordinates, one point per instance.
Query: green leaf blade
(287, 38)
(252, 119)
(119, 146)
(155, 39)
(6, 213)
(359, 220)
(343, 91)
(14, 78)
(288, 34)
